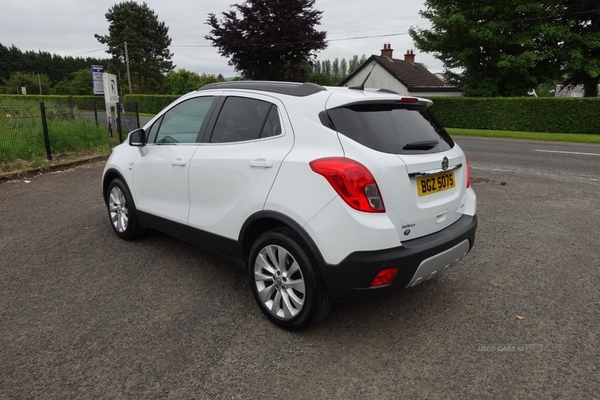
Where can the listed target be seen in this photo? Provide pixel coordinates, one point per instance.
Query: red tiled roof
(412, 75)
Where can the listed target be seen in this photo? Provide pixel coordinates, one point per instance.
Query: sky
(67, 27)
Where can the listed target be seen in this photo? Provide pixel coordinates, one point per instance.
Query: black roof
(289, 88)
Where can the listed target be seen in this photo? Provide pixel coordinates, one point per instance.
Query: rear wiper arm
(424, 145)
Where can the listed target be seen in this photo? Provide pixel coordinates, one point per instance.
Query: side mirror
(137, 138)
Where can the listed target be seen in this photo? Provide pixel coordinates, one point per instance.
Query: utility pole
(127, 65)
(40, 83)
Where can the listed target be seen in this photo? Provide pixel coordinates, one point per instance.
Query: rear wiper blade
(424, 145)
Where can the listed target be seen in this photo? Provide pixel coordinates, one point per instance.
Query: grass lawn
(554, 137)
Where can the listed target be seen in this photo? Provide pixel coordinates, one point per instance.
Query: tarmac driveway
(86, 315)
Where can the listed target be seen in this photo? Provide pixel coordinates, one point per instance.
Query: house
(406, 77)
(569, 91)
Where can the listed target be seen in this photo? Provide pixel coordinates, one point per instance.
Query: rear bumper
(417, 260)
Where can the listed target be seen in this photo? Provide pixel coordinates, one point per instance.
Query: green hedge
(8, 98)
(151, 104)
(526, 114)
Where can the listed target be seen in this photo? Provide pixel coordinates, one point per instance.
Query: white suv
(322, 193)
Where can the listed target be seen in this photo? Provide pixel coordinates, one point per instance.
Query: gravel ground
(86, 315)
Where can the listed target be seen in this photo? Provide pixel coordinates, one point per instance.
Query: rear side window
(391, 129)
(244, 119)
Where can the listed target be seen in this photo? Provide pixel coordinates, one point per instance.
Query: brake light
(352, 181)
(468, 173)
(408, 100)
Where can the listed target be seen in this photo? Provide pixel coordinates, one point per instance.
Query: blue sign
(97, 82)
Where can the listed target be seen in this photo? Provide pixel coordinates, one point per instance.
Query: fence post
(119, 129)
(45, 128)
(96, 112)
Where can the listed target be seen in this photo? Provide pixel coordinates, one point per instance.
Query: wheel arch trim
(108, 176)
(252, 228)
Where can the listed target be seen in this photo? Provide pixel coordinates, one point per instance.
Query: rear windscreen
(391, 129)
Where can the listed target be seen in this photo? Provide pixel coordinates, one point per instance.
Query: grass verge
(72, 137)
(553, 137)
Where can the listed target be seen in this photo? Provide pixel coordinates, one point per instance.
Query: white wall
(381, 79)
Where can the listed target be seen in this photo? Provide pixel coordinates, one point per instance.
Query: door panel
(161, 169)
(160, 179)
(230, 178)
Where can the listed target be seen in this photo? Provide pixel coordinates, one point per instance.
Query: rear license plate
(435, 183)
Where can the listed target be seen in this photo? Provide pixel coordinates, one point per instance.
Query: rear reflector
(468, 173)
(384, 277)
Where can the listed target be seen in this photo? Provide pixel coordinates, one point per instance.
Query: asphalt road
(86, 315)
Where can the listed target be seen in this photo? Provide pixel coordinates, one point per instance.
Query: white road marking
(568, 152)
(493, 169)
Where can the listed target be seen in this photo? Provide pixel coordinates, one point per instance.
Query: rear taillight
(468, 173)
(352, 181)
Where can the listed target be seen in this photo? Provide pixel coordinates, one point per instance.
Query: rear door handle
(261, 163)
(178, 162)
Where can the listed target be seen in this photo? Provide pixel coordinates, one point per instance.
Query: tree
(500, 47)
(581, 49)
(56, 67)
(79, 84)
(31, 83)
(333, 73)
(147, 41)
(269, 40)
(182, 81)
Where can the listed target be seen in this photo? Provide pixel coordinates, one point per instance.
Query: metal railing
(31, 131)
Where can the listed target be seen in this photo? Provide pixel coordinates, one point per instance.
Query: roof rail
(289, 88)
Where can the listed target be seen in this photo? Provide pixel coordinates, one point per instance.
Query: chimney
(387, 50)
(409, 56)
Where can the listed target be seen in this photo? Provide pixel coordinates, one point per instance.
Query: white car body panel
(160, 180)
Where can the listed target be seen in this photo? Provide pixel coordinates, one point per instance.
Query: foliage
(10, 99)
(56, 67)
(147, 41)
(79, 84)
(330, 73)
(581, 49)
(30, 82)
(22, 134)
(269, 40)
(503, 47)
(182, 81)
(531, 114)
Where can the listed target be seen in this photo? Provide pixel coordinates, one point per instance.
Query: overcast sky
(67, 27)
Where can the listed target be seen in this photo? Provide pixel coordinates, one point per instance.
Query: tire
(121, 211)
(285, 281)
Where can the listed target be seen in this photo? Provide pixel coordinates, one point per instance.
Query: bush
(527, 114)
(11, 98)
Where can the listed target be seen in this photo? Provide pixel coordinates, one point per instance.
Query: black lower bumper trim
(350, 280)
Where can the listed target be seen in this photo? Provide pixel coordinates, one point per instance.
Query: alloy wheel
(279, 282)
(117, 205)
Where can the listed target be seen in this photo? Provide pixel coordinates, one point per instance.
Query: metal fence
(31, 131)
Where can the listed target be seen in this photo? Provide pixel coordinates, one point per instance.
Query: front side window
(244, 119)
(182, 123)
